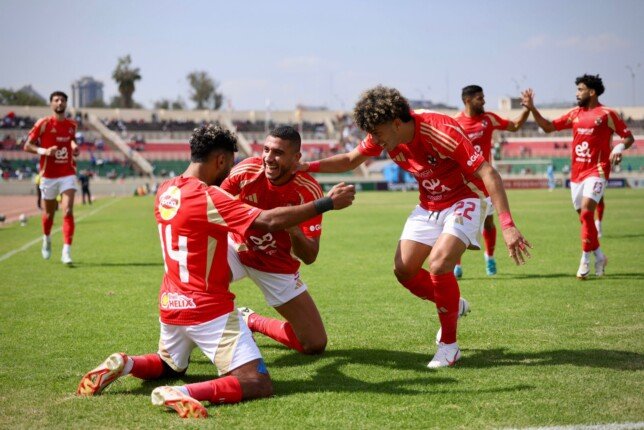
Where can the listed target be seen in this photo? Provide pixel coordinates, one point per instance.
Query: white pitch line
(607, 426)
(56, 230)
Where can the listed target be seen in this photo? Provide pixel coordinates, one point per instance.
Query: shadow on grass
(600, 358)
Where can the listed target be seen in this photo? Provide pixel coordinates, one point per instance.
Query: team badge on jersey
(169, 203)
(598, 121)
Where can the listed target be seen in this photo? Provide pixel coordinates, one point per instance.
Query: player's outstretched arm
(336, 164)
(35, 149)
(339, 197)
(517, 123)
(514, 240)
(527, 100)
(616, 153)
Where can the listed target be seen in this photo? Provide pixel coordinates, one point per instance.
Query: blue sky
(326, 53)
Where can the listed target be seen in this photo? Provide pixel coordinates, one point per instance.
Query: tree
(204, 90)
(19, 98)
(125, 76)
(168, 104)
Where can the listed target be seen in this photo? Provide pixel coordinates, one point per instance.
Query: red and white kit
(443, 161)
(592, 135)
(271, 252)
(52, 132)
(479, 130)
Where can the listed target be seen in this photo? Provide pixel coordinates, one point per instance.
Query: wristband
(506, 220)
(314, 166)
(618, 149)
(323, 205)
(41, 151)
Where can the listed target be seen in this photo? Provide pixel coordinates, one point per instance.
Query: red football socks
(68, 229)
(147, 366)
(447, 296)
(221, 390)
(420, 285)
(589, 240)
(490, 240)
(47, 222)
(281, 331)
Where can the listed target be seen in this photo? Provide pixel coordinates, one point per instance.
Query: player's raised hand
(527, 98)
(517, 245)
(342, 195)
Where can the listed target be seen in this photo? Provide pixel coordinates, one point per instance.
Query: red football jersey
(440, 157)
(261, 250)
(52, 132)
(479, 130)
(592, 135)
(193, 221)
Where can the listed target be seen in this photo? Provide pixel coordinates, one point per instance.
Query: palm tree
(204, 90)
(125, 76)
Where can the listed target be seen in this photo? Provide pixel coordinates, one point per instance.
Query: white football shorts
(592, 188)
(490, 208)
(278, 288)
(464, 219)
(226, 341)
(51, 187)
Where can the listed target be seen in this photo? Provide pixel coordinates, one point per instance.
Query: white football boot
(173, 398)
(463, 310)
(584, 268)
(94, 382)
(600, 264)
(46, 247)
(447, 355)
(66, 256)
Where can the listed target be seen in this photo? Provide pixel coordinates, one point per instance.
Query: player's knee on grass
(254, 380)
(315, 345)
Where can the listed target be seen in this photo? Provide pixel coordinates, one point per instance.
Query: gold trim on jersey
(439, 137)
(310, 185)
(227, 343)
(610, 122)
(400, 157)
(212, 213)
(239, 169)
(492, 119)
(212, 246)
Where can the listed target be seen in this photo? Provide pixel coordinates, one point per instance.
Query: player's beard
(583, 102)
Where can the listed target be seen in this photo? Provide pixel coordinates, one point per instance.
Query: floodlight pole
(632, 72)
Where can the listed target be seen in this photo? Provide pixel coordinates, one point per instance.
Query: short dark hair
(57, 93)
(593, 82)
(470, 90)
(378, 106)
(288, 133)
(210, 138)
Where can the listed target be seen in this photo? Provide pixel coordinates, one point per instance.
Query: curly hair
(593, 82)
(378, 106)
(210, 138)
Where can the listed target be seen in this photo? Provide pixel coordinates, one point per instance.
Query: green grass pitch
(540, 348)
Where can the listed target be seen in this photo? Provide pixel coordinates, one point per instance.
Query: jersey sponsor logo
(265, 243)
(476, 135)
(176, 301)
(63, 138)
(586, 131)
(472, 159)
(316, 227)
(478, 149)
(434, 186)
(169, 203)
(61, 154)
(583, 152)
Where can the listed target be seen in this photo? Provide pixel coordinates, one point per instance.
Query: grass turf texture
(539, 348)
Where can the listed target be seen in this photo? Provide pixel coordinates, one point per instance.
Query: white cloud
(594, 43)
(535, 42)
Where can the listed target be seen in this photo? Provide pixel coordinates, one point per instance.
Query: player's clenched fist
(342, 195)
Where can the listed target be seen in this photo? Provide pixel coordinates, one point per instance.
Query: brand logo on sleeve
(169, 203)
